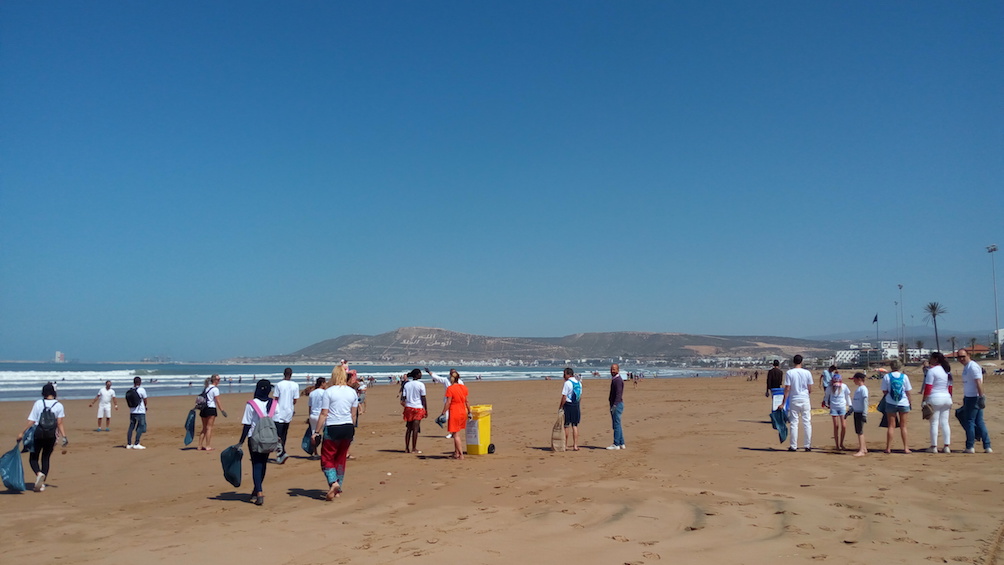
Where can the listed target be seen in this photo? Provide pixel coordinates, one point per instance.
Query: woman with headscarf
(938, 395)
(45, 440)
(336, 430)
(262, 404)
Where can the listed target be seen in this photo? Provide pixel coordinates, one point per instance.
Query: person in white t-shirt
(44, 446)
(285, 392)
(974, 402)
(797, 388)
(336, 430)
(859, 404)
(105, 399)
(315, 400)
(415, 410)
(938, 397)
(838, 400)
(896, 387)
(137, 415)
(208, 414)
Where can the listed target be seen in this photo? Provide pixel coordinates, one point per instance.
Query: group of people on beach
(795, 407)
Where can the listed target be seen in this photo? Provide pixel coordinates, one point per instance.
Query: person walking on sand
(335, 430)
(838, 400)
(446, 382)
(938, 396)
(775, 378)
(137, 413)
(286, 392)
(315, 400)
(105, 399)
(257, 408)
(896, 387)
(973, 403)
(860, 406)
(571, 394)
(455, 404)
(616, 399)
(415, 410)
(797, 388)
(47, 416)
(209, 413)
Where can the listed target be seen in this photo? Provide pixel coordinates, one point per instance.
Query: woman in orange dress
(460, 411)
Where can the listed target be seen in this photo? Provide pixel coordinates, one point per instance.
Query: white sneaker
(138, 446)
(932, 450)
(39, 482)
(970, 450)
(988, 450)
(129, 446)
(946, 450)
(449, 436)
(623, 446)
(612, 447)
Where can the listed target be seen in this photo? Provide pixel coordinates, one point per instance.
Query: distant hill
(408, 345)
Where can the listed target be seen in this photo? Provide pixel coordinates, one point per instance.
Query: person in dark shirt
(774, 378)
(617, 405)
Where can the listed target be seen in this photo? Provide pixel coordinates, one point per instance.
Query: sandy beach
(703, 479)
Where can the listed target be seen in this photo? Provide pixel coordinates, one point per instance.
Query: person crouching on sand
(415, 410)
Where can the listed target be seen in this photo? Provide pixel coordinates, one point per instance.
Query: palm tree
(972, 345)
(935, 309)
(952, 341)
(920, 344)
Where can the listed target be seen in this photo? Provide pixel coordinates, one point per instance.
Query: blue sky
(208, 180)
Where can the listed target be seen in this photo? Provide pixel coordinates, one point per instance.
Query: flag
(875, 321)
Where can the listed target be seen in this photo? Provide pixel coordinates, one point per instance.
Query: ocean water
(24, 381)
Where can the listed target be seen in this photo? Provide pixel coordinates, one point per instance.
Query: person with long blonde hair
(336, 430)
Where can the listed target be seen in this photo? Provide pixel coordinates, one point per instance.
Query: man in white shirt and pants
(797, 387)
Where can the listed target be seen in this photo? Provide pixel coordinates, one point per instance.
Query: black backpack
(133, 399)
(47, 423)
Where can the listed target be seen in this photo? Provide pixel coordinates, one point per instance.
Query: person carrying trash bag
(262, 435)
(46, 417)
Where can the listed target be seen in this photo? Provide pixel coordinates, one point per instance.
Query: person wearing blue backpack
(47, 417)
(571, 393)
(896, 387)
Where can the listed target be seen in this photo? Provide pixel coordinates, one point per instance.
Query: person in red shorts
(415, 410)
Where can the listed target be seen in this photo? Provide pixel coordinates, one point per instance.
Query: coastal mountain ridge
(412, 344)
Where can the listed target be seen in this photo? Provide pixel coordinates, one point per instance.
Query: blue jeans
(136, 422)
(615, 416)
(972, 422)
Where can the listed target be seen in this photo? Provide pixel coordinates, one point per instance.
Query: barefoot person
(571, 392)
(105, 399)
(459, 411)
(896, 387)
(208, 414)
(335, 430)
(47, 416)
(860, 406)
(415, 410)
(838, 400)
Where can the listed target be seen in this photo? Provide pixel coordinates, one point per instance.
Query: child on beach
(860, 407)
(838, 400)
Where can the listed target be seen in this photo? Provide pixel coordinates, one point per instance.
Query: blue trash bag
(190, 427)
(231, 460)
(29, 440)
(308, 441)
(12, 470)
(779, 421)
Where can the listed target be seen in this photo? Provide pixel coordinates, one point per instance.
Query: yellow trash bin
(479, 430)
